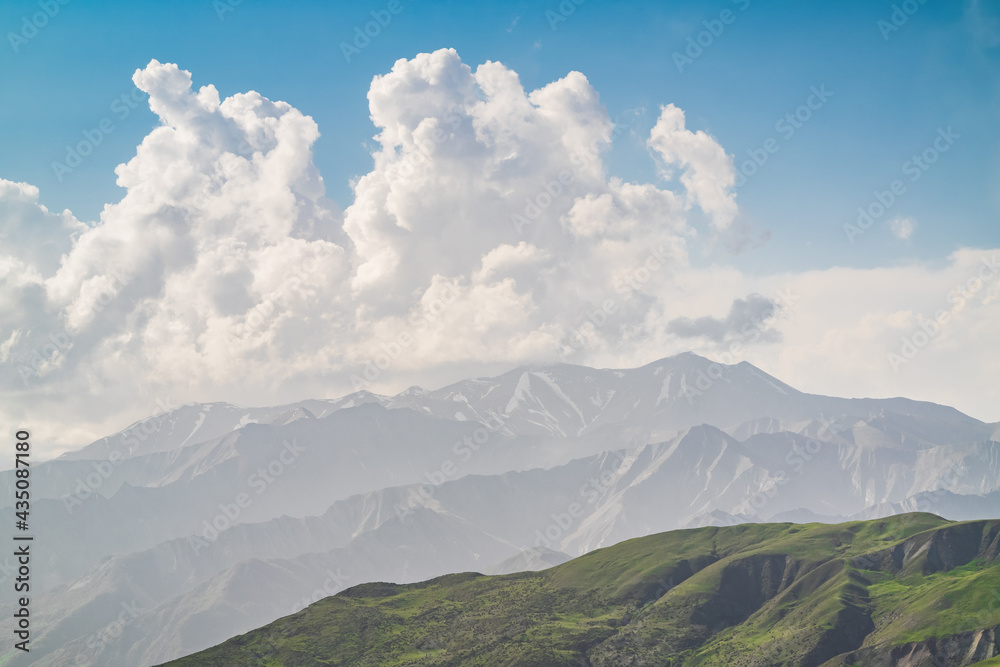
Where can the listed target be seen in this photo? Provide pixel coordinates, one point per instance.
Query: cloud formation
(487, 219)
(902, 228)
(488, 233)
(748, 318)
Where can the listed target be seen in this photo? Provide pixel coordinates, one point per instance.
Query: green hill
(913, 589)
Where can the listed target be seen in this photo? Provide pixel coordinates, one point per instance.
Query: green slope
(758, 594)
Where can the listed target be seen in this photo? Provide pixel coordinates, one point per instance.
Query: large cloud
(497, 199)
(488, 233)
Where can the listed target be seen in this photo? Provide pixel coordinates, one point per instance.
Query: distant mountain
(910, 590)
(491, 474)
(649, 403)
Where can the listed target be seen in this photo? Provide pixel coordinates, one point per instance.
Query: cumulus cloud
(706, 169)
(488, 233)
(488, 226)
(498, 191)
(31, 234)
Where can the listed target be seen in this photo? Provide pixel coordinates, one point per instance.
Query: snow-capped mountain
(219, 519)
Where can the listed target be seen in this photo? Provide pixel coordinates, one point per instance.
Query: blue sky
(218, 265)
(889, 97)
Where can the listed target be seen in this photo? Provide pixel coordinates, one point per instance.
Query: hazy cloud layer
(488, 233)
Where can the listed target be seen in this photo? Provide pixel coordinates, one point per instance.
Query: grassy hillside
(913, 587)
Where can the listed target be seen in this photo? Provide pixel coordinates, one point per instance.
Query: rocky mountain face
(182, 522)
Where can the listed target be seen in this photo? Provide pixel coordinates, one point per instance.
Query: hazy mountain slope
(559, 462)
(657, 400)
(604, 409)
(745, 595)
(953, 505)
(173, 575)
(248, 594)
(187, 425)
(537, 558)
(173, 569)
(573, 508)
(298, 469)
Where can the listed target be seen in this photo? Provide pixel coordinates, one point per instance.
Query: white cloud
(707, 171)
(488, 230)
(902, 228)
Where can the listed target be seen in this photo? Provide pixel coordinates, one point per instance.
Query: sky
(256, 203)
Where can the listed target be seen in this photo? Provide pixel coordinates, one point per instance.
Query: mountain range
(209, 520)
(910, 590)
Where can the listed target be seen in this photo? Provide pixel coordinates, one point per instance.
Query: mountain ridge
(558, 459)
(745, 595)
(687, 362)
